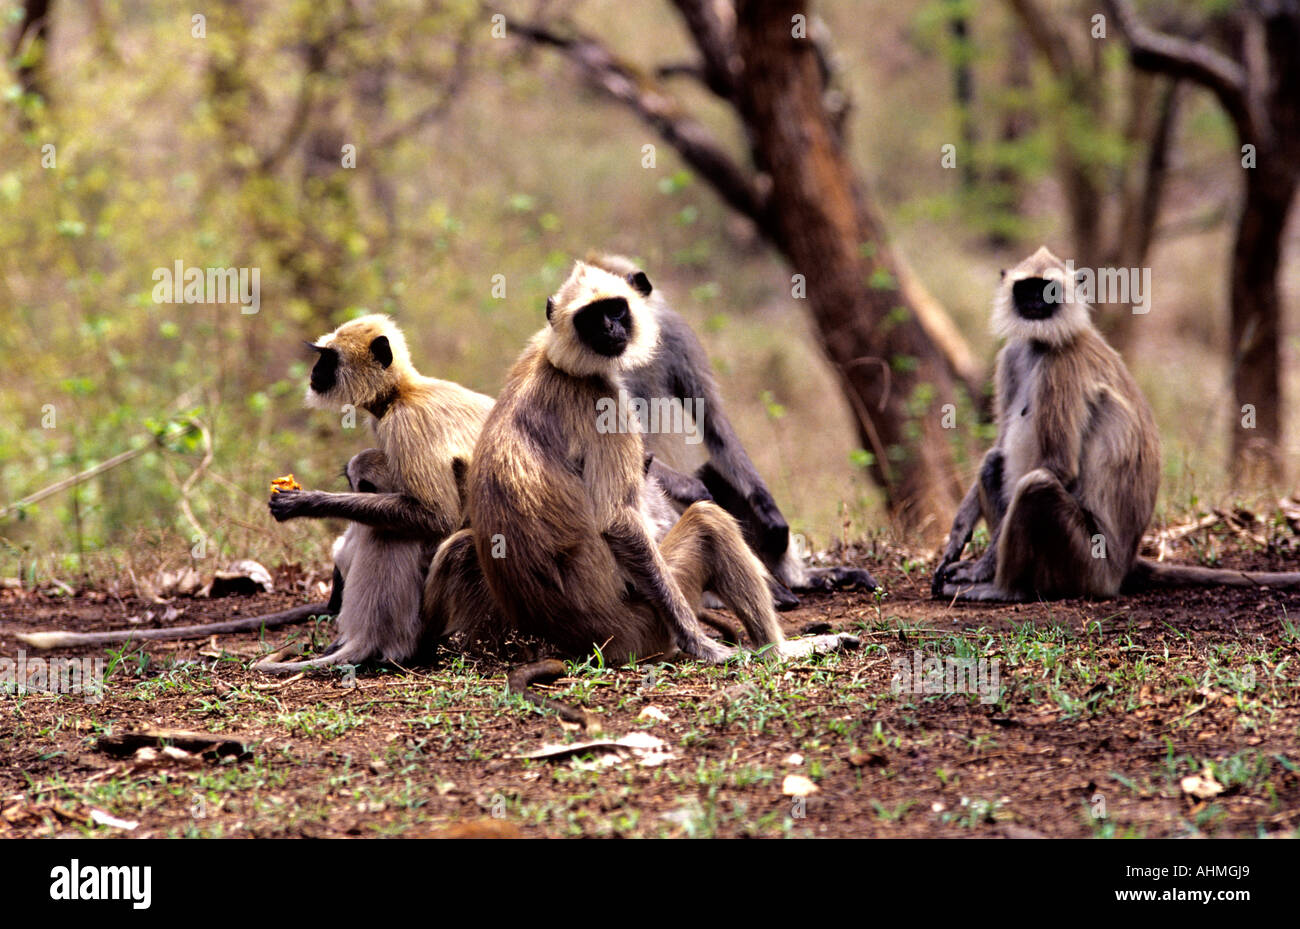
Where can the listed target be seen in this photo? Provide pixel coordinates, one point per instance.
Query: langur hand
(289, 504)
(940, 576)
(964, 573)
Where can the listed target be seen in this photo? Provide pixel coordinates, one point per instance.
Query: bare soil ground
(1164, 714)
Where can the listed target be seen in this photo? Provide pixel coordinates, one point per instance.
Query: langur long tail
(520, 681)
(298, 614)
(1153, 575)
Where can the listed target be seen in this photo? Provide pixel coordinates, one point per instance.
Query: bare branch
(680, 69)
(1049, 42)
(1182, 58)
(712, 26)
(1156, 173)
(607, 74)
(455, 82)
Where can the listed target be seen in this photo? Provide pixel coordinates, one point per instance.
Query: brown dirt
(1105, 709)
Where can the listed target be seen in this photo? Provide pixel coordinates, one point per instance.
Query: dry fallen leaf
(796, 785)
(242, 579)
(1202, 786)
(649, 750)
(113, 822)
(653, 712)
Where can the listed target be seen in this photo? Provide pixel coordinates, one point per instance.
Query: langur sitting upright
(425, 429)
(1069, 487)
(556, 495)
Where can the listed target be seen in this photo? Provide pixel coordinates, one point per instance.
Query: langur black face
(324, 374)
(1036, 297)
(605, 326)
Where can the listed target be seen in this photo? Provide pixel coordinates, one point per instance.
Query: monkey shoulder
(421, 446)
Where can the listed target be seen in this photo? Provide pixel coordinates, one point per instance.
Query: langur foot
(711, 652)
(814, 645)
(783, 597)
(987, 592)
(828, 580)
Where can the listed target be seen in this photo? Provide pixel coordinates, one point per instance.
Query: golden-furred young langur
(425, 430)
(1070, 484)
(556, 496)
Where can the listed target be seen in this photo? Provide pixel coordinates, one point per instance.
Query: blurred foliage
(474, 157)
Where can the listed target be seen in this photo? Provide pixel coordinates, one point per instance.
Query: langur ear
(550, 308)
(382, 351)
(640, 283)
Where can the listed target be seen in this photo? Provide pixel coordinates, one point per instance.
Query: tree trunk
(1256, 315)
(1261, 93)
(827, 229)
(963, 89)
(30, 49)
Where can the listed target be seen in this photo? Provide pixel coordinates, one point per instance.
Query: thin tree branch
(689, 69)
(1156, 172)
(1050, 43)
(1181, 58)
(454, 80)
(607, 74)
(712, 26)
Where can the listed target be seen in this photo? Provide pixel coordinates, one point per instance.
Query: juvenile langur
(374, 618)
(425, 429)
(680, 372)
(557, 502)
(382, 580)
(1070, 484)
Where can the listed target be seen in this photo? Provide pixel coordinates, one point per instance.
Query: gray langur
(381, 576)
(557, 501)
(1070, 484)
(680, 371)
